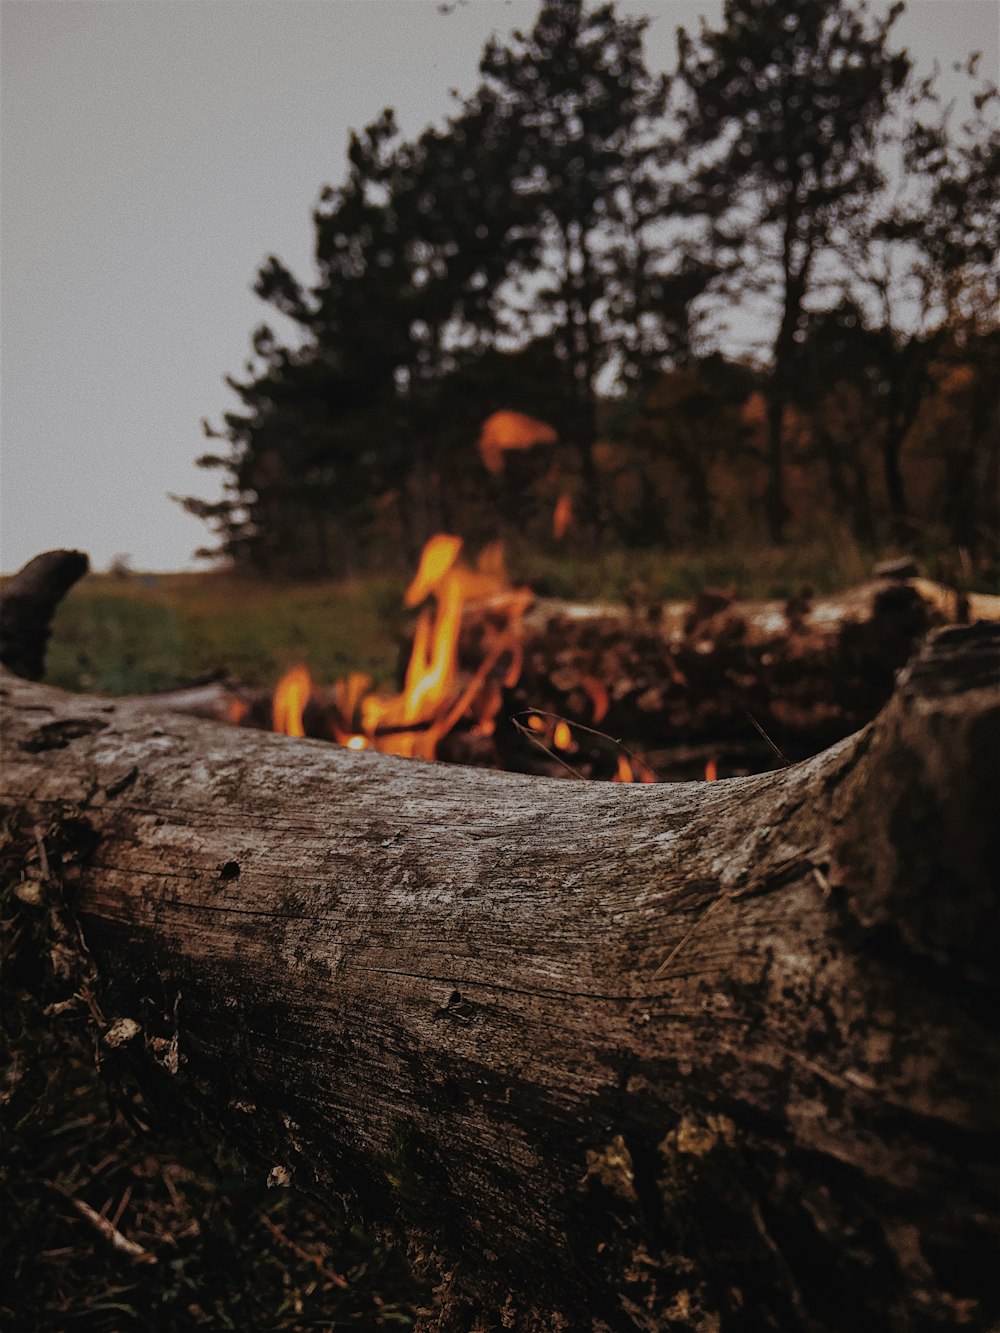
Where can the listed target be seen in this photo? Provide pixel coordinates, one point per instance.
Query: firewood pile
(646, 691)
(721, 684)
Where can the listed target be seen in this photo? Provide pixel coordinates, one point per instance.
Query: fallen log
(706, 1056)
(718, 670)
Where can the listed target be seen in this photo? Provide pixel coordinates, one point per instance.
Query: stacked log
(749, 684)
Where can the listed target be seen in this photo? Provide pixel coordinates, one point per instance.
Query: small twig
(822, 881)
(302, 1254)
(723, 898)
(763, 733)
(116, 1216)
(106, 1229)
(43, 858)
(577, 726)
(400, 728)
(545, 749)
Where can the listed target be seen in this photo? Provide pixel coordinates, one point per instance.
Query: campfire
(445, 691)
(498, 677)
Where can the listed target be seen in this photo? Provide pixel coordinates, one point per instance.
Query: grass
(157, 631)
(152, 632)
(662, 576)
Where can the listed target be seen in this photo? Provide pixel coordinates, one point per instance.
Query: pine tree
(574, 113)
(926, 267)
(406, 254)
(780, 111)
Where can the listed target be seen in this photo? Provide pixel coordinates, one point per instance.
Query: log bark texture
(703, 1056)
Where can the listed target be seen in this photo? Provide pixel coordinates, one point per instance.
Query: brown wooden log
(704, 1056)
(27, 604)
(806, 672)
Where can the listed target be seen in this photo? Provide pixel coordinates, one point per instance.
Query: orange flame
(436, 559)
(511, 430)
(290, 698)
(711, 771)
(562, 516)
(633, 770)
(236, 711)
(434, 698)
(430, 674)
(598, 695)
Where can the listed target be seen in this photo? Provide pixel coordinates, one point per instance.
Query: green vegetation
(775, 571)
(571, 243)
(152, 632)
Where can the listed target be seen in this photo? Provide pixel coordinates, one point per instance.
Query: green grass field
(156, 631)
(152, 632)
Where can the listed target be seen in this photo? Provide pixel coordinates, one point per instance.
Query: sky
(152, 154)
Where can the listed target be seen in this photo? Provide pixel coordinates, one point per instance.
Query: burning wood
(290, 698)
(498, 678)
(701, 689)
(434, 697)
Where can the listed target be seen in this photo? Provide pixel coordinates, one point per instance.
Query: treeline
(587, 243)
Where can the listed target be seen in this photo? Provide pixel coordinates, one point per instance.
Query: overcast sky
(153, 152)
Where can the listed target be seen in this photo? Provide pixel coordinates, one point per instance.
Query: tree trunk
(892, 447)
(775, 509)
(706, 1056)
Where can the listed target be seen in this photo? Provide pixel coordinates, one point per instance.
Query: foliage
(159, 632)
(575, 106)
(569, 242)
(780, 116)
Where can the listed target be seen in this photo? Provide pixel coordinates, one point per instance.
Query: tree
(525, 216)
(686, 423)
(406, 252)
(841, 381)
(926, 263)
(577, 108)
(304, 458)
(779, 112)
